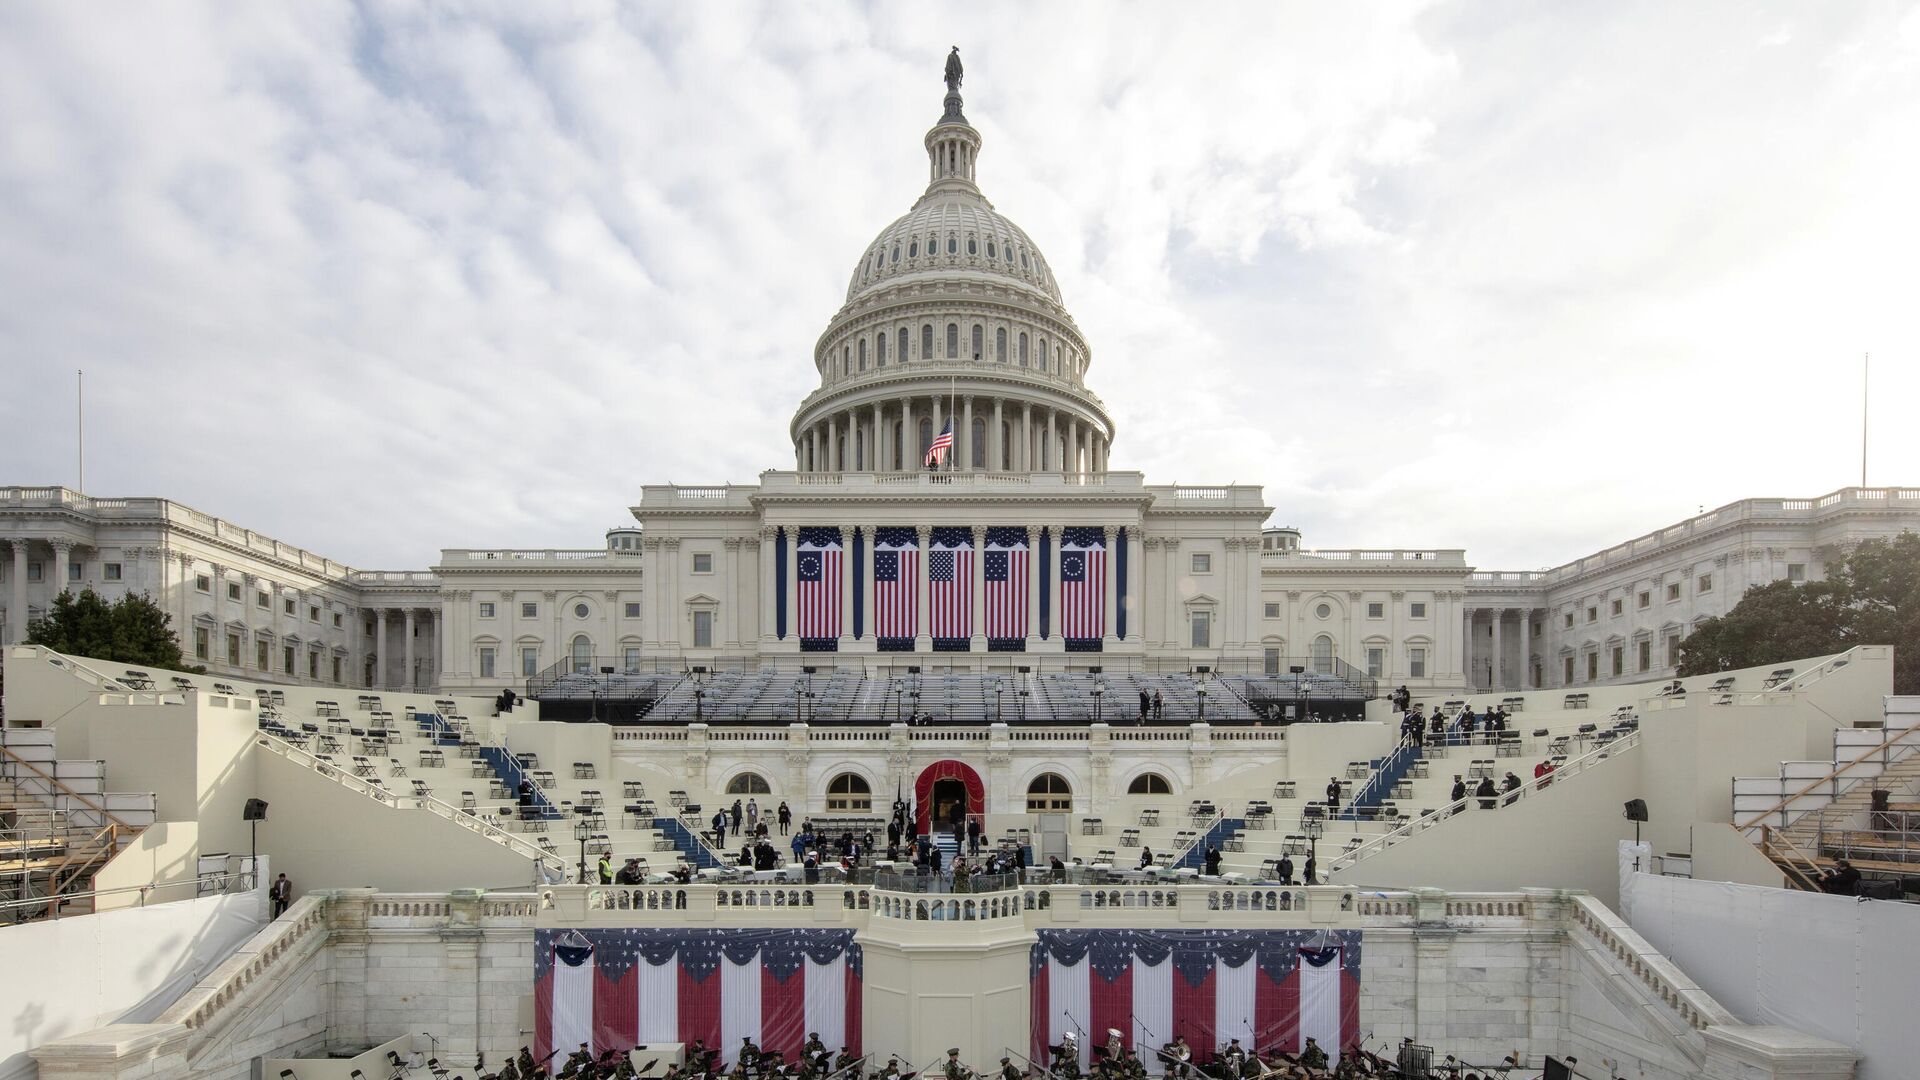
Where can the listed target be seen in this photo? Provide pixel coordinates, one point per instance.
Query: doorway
(949, 801)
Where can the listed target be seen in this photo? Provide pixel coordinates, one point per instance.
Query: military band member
(953, 1069)
(1312, 1056)
(892, 1071)
(1010, 1071)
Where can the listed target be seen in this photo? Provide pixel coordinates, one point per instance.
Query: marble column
(17, 606)
(1024, 459)
(1496, 670)
(923, 632)
(1050, 450)
(1526, 648)
(846, 582)
(1174, 617)
(978, 641)
(1033, 584)
(1466, 647)
(996, 447)
(966, 433)
(62, 561)
(382, 624)
(1111, 600)
(407, 680)
(766, 598)
(906, 435)
(833, 443)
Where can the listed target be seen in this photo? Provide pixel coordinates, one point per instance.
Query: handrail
(1346, 859)
(1829, 778)
(1032, 1065)
(1200, 832)
(429, 803)
(143, 890)
(1769, 836)
(1696, 1008)
(65, 790)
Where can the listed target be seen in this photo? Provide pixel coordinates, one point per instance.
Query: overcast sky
(1528, 279)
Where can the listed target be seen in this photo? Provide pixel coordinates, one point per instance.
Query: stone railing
(1691, 1005)
(298, 933)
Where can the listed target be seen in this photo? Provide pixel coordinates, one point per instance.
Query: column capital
(1109, 532)
(924, 532)
(61, 545)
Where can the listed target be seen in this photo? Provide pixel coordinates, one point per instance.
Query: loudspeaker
(255, 810)
(1024, 669)
(1636, 809)
(1094, 670)
(606, 671)
(699, 669)
(1556, 1070)
(806, 671)
(1204, 669)
(913, 669)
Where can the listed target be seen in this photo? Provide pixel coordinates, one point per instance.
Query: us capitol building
(1025, 546)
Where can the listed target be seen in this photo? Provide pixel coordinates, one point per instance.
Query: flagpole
(1866, 366)
(953, 387)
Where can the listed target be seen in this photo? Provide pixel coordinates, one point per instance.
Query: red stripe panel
(1193, 1014)
(1040, 1016)
(1111, 1004)
(1276, 1013)
(783, 1011)
(616, 1011)
(543, 1017)
(1349, 1010)
(700, 1009)
(855, 1042)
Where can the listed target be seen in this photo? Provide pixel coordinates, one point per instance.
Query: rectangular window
(110, 571)
(233, 650)
(1271, 611)
(632, 610)
(1673, 591)
(529, 661)
(702, 562)
(313, 665)
(1417, 610)
(630, 659)
(1202, 563)
(1376, 661)
(1673, 650)
(260, 655)
(1569, 620)
(486, 609)
(233, 590)
(286, 658)
(260, 599)
(313, 613)
(290, 606)
(1567, 678)
(1593, 614)
(703, 629)
(336, 626)
(1202, 623)
(74, 569)
(1619, 660)
(336, 669)
(1271, 660)
(1615, 610)
(1644, 601)
(1593, 666)
(529, 611)
(1376, 611)
(1646, 654)
(1795, 571)
(203, 583)
(1417, 663)
(34, 573)
(486, 661)
(200, 643)
(1706, 582)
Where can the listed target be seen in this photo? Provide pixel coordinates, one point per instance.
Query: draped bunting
(946, 770)
(1268, 988)
(618, 988)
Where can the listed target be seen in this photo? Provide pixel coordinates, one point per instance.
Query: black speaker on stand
(253, 814)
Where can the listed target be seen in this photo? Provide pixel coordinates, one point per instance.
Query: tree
(132, 630)
(1871, 597)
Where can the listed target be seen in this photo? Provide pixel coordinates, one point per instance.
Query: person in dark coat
(1333, 795)
(1459, 789)
(1286, 870)
(1486, 793)
(1842, 880)
(1213, 862)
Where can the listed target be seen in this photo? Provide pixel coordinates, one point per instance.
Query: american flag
(896, 578)
(821, 568)
(1083, 584)
(1006, 585)
(942, 444)
(950, 584)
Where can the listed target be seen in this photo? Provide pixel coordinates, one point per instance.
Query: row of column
(1492, 667)
(1039, 439)
(923, 638)
(17, 609)
(413, 677)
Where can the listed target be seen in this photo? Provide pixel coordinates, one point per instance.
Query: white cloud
(380, 279)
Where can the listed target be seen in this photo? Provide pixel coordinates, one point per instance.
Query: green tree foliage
(1872, 597)
(132, 630)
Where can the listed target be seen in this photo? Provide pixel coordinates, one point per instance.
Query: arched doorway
(945, 788)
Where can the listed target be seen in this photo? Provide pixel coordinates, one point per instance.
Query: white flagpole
(953, 452)
(1866, 365)
(80, 434)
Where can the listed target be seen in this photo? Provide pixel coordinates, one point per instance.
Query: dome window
(1023, 260)
(953, 245)
(896, 253)
(926, 342)
(880, 350)
(913, 249)
(1023, 350)
(863, 354)
(973, 246)
(953, 340)
(977, 340)
(902, 356)
(1000, 344)
(1009, 251)
(990, 252)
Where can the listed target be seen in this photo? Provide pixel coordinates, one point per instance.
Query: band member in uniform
(1010, 1071)
(892, 1071)
(953, 1069)
(1233, 1059)
(1177, 1058)
(1066, 1057)
(1312, 1056)
(1114, 1045)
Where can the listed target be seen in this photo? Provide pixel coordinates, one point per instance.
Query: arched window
(1023, 259)
(973, 246)
(901, 354)
(979, 340)
(977, 438)
(953, 245)
(880, 350)
(1323, 655)
(863, 354)
(953, 340)
(991, 252)
(1023, 350)
(839, 453)
(913, 249)
(926, 439)
(582, 654)
(1049, 794)
(848, 793)
(1008, 252)
(846, 360)
(926, 342)
(1040, 356)
(859, 450)
(748, 783)
(1000, 344)
(1150, 784)
(896, 251)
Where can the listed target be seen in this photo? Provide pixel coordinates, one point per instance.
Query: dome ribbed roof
(948, 231)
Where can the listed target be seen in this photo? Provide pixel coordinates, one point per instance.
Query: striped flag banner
(822, 569)
(950, 587)
(1270, 989)
(1005, 574)
(1083, 587)
(896, 587)
(619, 988)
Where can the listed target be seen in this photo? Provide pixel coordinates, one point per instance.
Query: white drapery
(739, 1006)
(1069, 996)
(1233, 1003)
(826, 993)
(658, 991)
(1152, 1010)
(572, 1003)
(1320, 1000)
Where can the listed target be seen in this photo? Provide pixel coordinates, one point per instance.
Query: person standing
(1333, 796)
(1159, 706)
(753, 815)
(1286, 870)
(1146, 703)
(1459, 789)
(1213, 862)
(739, 815)
(281, 895)
(606, 868)
(973, 836)
(784, 816)
(1307, 872)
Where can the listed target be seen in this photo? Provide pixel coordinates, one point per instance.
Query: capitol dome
(952, 317)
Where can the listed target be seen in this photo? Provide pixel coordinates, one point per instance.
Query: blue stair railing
(1387, 772)
(508, 769)
(1216, 834)
(698, 855)
(435, 728)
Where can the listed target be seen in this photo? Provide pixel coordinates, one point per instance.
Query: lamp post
(1314, 828)
(1201, 692)
(999, 688)
(1299, 692)
(1097, 692)
(699, 699)
(582, 832)
(899, 690)
(1023, 705)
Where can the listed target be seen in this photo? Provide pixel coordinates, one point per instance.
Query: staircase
(947, 846)
(1195, 857)
(53, 839)
(697, 855)
(1387, 772)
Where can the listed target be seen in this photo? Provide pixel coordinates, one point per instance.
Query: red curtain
(946, 770)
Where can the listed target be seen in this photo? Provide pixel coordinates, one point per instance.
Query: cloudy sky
(1527, 279)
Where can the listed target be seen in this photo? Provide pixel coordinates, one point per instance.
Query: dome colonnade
(952, 315)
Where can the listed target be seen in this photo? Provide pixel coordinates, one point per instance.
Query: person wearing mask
(1459, 789)
(281, 895)
(1486, 793)
(784, 816)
